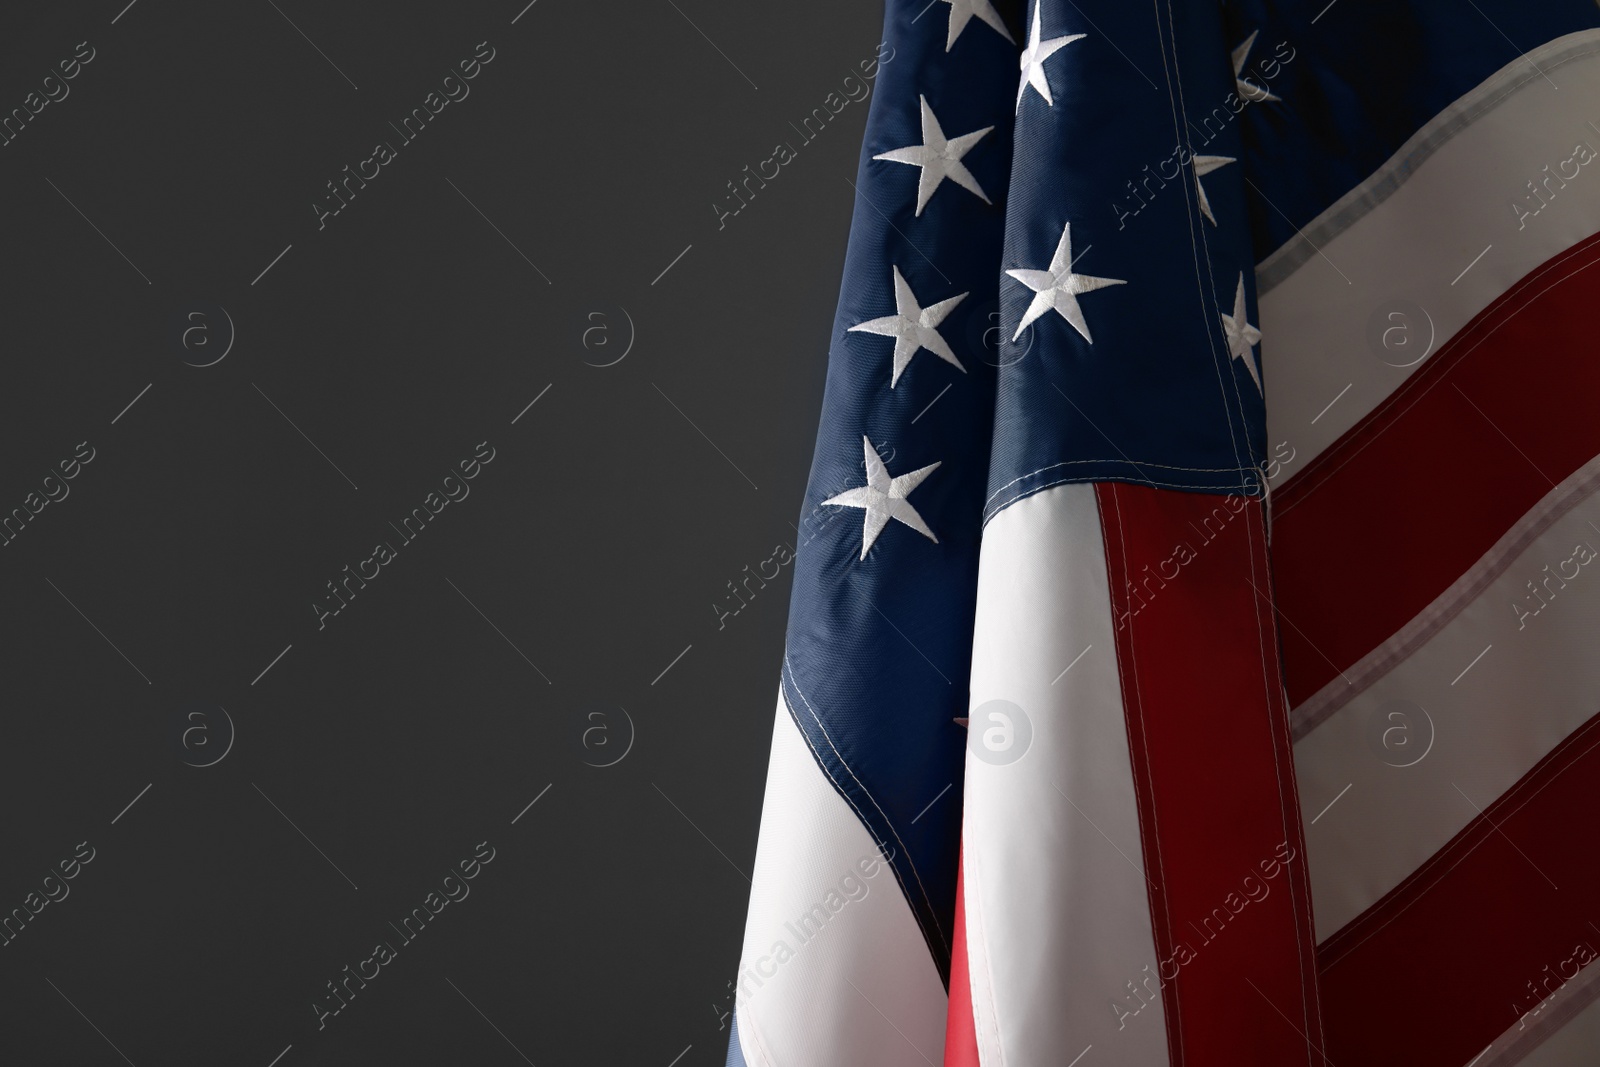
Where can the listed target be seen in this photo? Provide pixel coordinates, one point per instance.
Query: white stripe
(1411, 245)
(1058, 916)
(1571, 493)
(1573, 1046)
(855, 982)
(1540, 683)
(1378, 186)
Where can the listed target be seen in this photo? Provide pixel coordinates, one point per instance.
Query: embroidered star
(939, 158)
(961, 13)
(1059, 288)
(884, 498)
(1033, 57)
(913, 328)
(1242, 337)
(1204, 165)
(1248, 90)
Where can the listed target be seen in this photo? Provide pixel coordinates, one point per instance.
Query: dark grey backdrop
(263, 792)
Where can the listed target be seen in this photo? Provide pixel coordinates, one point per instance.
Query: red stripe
(1433, 972)
(960, 1030)
(1208, 733)
(1412, 496)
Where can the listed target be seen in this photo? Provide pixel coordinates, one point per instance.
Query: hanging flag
(1207, 410)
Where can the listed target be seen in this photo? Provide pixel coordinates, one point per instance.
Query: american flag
(1206, 673)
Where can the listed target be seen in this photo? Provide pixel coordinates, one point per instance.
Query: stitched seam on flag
(1496, 317)
(1502, 311)
(1477, 103)
(1100, 477)
(1175, 1031)
(933, 915)
(764, 1057)
(1585, 987)
(905, 890)
(1133, 707)
(838, 786)
(1095, 479)
(1124, 459)
(1492, 319)
(1485, 826)
(1303, 924)
(992, 1018)
(1578, 488)
(1205, 281)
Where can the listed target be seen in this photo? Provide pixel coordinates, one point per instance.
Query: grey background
(374, 753)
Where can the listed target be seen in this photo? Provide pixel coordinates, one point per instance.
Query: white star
(1242, 337)
(939, 158)
(1248, 90)
(1204, 165)
(1057, 287)
(961, 12)
(913, 327)
(1033, 57)
(884, 498)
